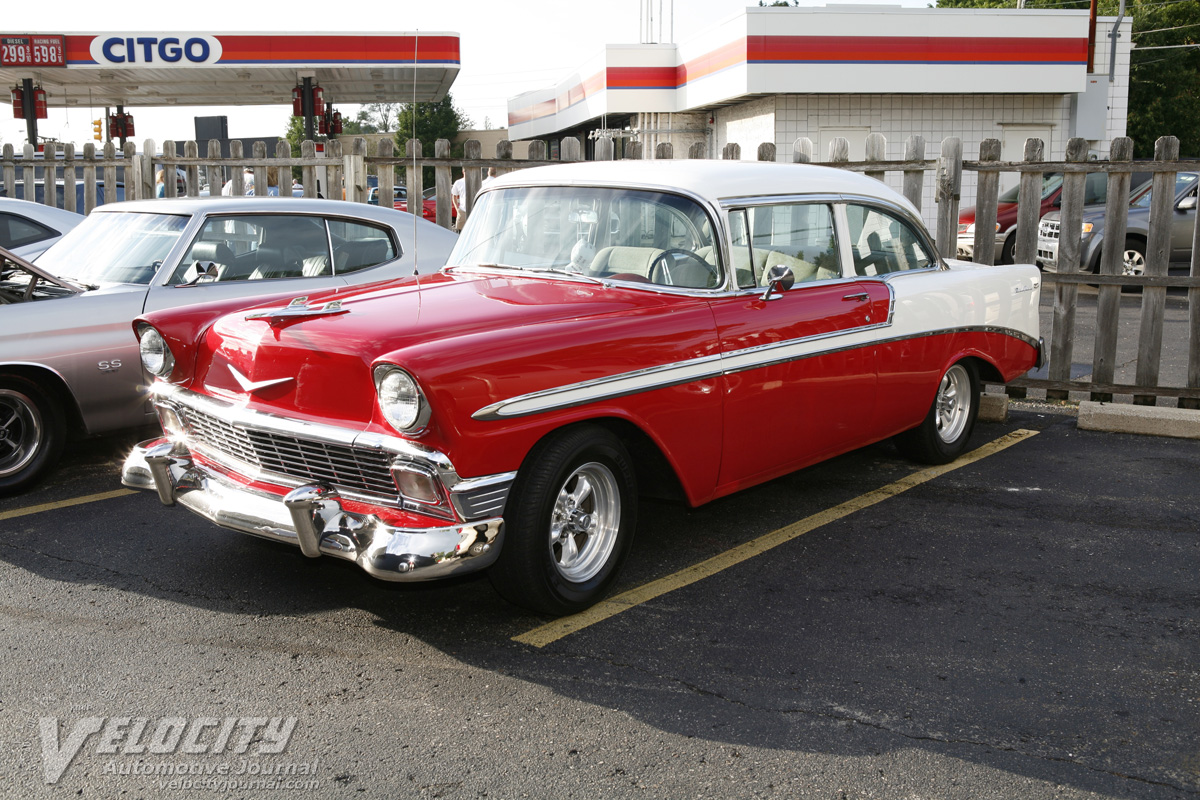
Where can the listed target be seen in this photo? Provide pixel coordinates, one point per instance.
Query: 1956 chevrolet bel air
(601, 330)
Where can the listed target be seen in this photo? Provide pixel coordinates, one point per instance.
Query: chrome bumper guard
(312, 518)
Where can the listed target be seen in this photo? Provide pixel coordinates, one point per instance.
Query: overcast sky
(506, 47)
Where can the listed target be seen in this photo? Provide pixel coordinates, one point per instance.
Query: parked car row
(1095, 192)
(599, 332)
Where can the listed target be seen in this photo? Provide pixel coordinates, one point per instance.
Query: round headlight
(156, 356)
(399, 398)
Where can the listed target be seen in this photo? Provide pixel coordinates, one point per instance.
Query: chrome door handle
(861, 297)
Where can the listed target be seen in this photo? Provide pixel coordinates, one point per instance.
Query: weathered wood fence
(344, 166)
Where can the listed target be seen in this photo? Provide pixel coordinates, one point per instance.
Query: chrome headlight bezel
(154, 352)
(400, 399)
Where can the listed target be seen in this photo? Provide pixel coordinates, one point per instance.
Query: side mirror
(1187, 204)
(200, 272)
(779, 279)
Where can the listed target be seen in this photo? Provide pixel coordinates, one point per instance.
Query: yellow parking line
(74, 501)
(553, 631)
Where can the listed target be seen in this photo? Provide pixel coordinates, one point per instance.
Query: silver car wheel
(585, 522)
(20, 431)
(1135, 263)
(953, 403)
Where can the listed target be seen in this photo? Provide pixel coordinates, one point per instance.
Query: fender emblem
(250, 386)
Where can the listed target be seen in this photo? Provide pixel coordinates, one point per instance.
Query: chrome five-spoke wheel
(569, 521)
(953, 404)
(585, 522)
(943, 435)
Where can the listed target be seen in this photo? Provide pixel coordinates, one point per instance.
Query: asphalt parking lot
(1023, 625)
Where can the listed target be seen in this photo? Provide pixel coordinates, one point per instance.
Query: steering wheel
(668, 265)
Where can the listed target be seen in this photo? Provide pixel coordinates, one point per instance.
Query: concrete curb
(1181, 423)
(993, 407)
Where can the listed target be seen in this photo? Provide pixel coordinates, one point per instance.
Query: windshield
(1184, 180)
(1050, 184)
(618, 234)
(114, 248)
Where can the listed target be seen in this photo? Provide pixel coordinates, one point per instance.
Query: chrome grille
(342, 466)
(1048, 228)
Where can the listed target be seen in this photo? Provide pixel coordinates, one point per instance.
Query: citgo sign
(157, 51)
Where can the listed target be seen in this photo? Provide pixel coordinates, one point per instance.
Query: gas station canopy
(215, 69)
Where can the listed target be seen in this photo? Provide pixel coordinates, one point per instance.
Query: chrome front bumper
(312, 518)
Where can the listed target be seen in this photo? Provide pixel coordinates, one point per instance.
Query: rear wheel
(31, 433)
(569, 522)
(944, 434)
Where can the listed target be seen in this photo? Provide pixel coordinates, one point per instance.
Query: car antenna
(412, 200)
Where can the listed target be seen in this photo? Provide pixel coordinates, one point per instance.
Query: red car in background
(428, 206)
(400, 201)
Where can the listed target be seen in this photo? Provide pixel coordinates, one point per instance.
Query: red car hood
(479, 330)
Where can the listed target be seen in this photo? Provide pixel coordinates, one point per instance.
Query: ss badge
(109, 366)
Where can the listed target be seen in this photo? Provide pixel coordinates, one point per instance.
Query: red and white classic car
(601, 330)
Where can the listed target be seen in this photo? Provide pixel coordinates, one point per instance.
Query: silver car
(28, 228)
(69, 362)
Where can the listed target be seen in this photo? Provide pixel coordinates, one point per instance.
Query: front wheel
(569, 522)
(31, 433)
(943, 436)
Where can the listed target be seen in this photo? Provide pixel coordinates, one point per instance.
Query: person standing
(458, 198)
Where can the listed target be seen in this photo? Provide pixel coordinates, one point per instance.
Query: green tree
(428, 122)
(1164, 84)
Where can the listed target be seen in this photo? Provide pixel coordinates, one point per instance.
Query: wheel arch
(656, 475)
(54, 385)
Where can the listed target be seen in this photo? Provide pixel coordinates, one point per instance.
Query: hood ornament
(299, 308)
(249, 386)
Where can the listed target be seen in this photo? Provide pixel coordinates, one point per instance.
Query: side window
(881, 243)
(358, 246)
(799, 236)
(261, 247)
(18, 231)
(1095, 188)
(739, 248)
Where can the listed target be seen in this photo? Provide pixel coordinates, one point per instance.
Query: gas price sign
(33, 51)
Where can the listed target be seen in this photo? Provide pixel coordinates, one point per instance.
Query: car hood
(460, 335)
(1091, 213)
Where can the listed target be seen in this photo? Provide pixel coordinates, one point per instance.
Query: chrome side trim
(668, 375)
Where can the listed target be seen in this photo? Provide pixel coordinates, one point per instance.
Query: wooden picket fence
(344, 165)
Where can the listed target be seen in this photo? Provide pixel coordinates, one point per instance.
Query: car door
(800, 366)
(888, 249)
(1183, 221)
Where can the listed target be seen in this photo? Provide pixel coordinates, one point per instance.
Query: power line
(1166, 47)
(1176, 28)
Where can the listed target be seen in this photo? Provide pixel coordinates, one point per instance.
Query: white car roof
(715, 180)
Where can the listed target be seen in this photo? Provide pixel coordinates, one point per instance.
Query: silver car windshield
(114, 248)
(618, 234)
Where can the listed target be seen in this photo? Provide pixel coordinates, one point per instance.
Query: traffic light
(98, 130)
